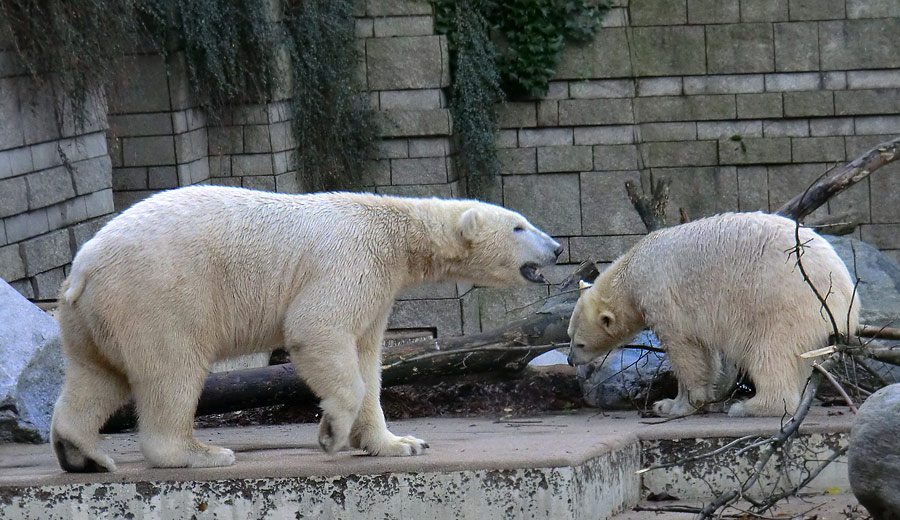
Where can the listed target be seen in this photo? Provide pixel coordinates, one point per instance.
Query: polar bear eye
(519, 229)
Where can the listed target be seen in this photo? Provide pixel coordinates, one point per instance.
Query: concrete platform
(579, 465)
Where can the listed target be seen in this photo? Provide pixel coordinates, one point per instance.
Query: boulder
(627, 378)
(874, 455)
(31, 372)
(879, 289)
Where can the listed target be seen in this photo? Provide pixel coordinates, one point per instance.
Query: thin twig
(697, 457)
(486, 348)
(861, 361)
(837, 386)
(722, 500)
(771, 501)
(668, 509)
(798, 250)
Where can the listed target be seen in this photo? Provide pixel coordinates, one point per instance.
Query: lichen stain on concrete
(727, 471)
(595, 488)
(146, 490)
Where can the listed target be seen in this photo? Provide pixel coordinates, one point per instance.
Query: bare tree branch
(771, 501)
(837, 386)
(871, 331)
(652, 209)
(698, 457)
(851, 173)
(778, 440)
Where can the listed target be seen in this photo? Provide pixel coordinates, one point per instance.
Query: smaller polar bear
(197, 274)
(723, 294)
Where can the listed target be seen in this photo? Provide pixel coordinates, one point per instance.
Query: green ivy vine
(230, 49)
(74, 43)
(333, 121)
(475, 91)
(503, 49)
(533, 33)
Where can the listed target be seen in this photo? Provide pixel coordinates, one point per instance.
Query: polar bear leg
(370, 430)
(693, 367)
(328, 363)
(166, 397)
(91, 394)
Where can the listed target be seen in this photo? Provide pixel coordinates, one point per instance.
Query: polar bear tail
(73, 291)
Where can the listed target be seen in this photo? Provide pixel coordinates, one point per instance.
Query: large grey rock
(879, 289)
(874, 456)
(31, 368)
(879, 275)
(625, 378)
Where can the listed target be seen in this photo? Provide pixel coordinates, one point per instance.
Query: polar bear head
(599, 323)
(501, 248)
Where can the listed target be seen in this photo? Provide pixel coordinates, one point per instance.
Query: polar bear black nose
(558, 251)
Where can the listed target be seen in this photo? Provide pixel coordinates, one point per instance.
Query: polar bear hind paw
(398, 447)
(74, 460)
(197, 455)
(668, 408)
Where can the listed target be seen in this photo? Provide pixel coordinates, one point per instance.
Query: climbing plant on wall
(532, 34)
(475, 90)
(228, 47)
(503, 49)
(76, 43)
(230, 50)
(333, 122)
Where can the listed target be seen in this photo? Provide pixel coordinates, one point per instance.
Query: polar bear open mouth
(532, 273)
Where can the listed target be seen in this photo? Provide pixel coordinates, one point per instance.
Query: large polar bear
(199, 273)
(722, 294)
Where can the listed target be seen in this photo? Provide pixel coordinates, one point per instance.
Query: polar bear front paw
(672, 408)
(162, 454)
(395, 446)
(212, 457)
(663, 407)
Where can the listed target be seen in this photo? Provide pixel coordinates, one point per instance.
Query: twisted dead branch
(851, 173)
(652, 208)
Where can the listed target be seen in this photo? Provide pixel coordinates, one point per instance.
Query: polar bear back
(733, 281)
(227, 262)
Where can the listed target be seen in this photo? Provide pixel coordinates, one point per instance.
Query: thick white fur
(201, 273)
(722, 294)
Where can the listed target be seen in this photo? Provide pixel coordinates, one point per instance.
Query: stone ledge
(579, 465)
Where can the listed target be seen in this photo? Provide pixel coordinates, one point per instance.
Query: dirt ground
(533, 391)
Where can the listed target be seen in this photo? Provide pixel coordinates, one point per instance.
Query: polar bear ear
(584, 285)
(606, 319)
(469, 223)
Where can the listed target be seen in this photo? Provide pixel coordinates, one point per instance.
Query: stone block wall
(55, 179)
(160, 138)
(740, 103)
(252, 146)
(157, 133)
(406, 69)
